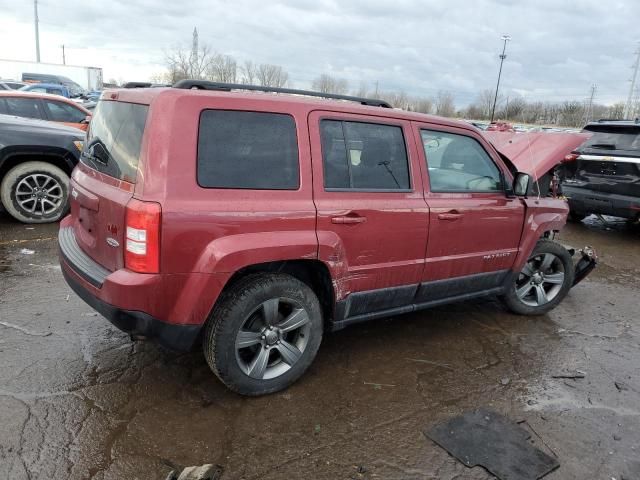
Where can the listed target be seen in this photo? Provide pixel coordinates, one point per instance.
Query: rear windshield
(613, 138)
(114, 139)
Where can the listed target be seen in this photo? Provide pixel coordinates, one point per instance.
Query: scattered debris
(316, 429)
(429, 362)
(617, 437)
(621, 386)
(379, 385)
(575, 374)
(532, 402)
(26, 251)
(505, 381)
(202, 472)
(24, 330)
(486, 438)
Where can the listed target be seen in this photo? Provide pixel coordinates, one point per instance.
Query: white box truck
(89, 78)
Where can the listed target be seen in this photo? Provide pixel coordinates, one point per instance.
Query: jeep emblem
(113, 242)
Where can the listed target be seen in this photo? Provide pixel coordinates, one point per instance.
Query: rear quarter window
(247, 150)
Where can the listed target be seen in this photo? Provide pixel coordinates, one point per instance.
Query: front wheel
(543, 282)
(263, 334)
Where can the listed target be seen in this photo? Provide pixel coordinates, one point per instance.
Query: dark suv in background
(603, 175)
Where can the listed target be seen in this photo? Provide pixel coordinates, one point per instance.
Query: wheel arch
(13, 156)
(313, 273)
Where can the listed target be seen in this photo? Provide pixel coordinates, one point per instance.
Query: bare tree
(269, 75)
(616, 111)
(513, 109)
(571, 113)
(223, 68)
(422, 105)
(183, 63)
(362, 91)
(328, 84)
(445, 106)
(248, 73)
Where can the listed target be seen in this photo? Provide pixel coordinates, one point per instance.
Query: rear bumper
(170, 307)
(138, 324)
(583, 200)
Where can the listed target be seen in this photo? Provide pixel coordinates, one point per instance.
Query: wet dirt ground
(78, 400)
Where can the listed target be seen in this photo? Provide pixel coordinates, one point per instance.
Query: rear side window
(247, 150)
(114, 139)
(24, 107)
(364, 156)
(63, 112)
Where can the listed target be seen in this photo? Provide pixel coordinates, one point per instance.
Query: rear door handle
(452, 215)
(348, 219)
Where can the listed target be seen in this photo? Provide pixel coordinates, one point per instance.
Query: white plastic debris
(26, 251)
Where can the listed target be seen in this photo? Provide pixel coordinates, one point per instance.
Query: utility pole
(194, 55)
(64, 60)
(506, 38)
(589, 110)
(629, 107)
(35, 18)
(376, 92)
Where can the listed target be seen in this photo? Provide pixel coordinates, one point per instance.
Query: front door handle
(452, 215)
(348, 219)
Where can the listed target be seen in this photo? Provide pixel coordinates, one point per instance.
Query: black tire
(527, 304)
(18, 179)
(242, 306)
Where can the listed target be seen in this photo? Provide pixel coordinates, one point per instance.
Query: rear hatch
(609, 161)
(104, 181)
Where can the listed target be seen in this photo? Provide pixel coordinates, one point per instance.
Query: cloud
(559, 48)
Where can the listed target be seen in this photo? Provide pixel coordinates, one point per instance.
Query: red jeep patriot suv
(258, 221)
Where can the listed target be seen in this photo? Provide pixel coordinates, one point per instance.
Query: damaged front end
(587, 261)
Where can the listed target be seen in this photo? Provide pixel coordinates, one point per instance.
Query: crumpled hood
(535, 153)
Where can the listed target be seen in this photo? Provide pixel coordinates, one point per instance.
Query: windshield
(114, 139)
(613, 138)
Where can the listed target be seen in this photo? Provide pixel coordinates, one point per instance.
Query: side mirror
(521, 184)
(86, 120)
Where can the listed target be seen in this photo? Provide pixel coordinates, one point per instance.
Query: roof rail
(227, 87)
(136, 85)
(602, 120)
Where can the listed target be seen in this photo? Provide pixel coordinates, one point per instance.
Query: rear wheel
(263, 334)
(35, 192)
(543, 282)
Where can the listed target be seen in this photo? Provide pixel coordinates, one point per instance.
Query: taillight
(570, 157)
(142, 236)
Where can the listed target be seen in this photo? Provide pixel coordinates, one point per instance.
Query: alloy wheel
(39, 194)
(541, 280)
(272, 338)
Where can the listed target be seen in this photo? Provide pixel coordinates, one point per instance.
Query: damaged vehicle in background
(602, 175)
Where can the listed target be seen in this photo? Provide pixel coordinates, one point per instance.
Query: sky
(559, 48)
